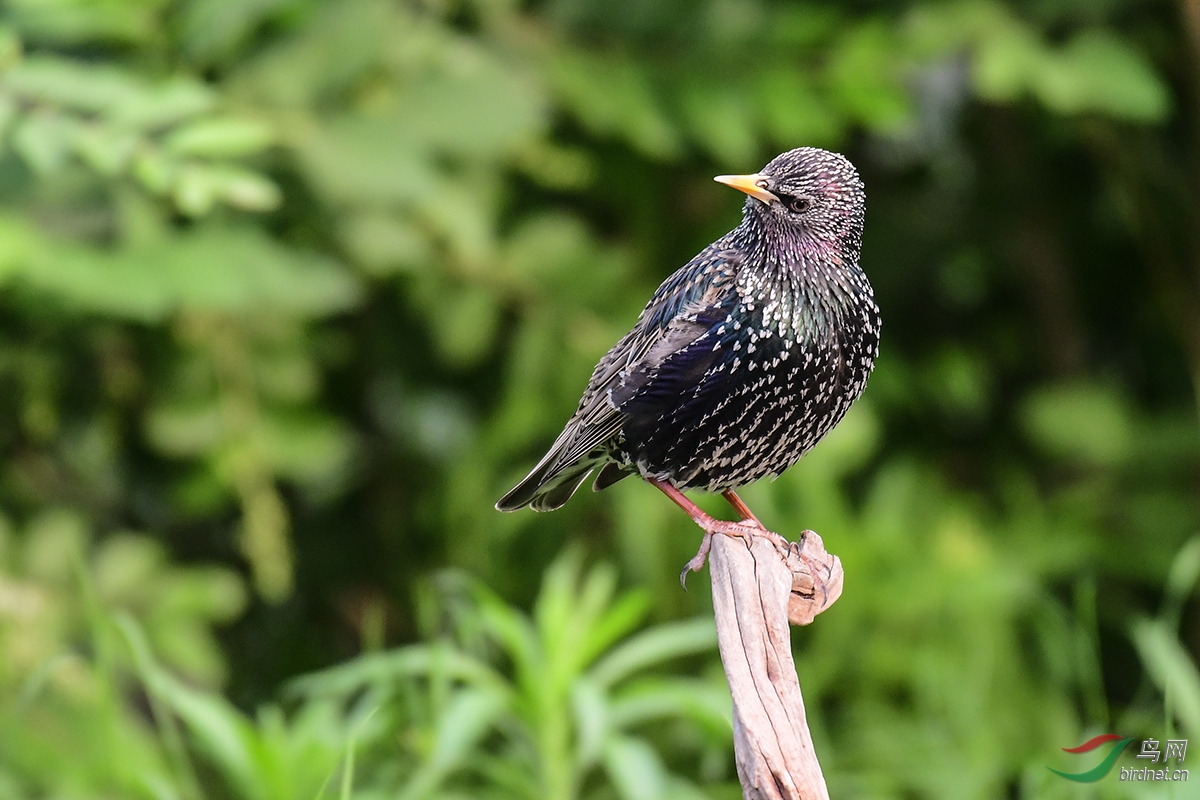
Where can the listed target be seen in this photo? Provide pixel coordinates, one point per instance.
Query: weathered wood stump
(756, 592)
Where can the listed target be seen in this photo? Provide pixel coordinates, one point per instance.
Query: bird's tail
(549, 485)
(577, 451)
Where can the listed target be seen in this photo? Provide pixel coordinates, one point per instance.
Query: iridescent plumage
(743, 359)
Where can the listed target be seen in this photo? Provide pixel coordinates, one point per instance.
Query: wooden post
(756, 591)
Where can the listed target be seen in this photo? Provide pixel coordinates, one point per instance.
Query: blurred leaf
(610, 95)
(1086, 422)
(125, 563)
(106, 90)
(476, 105)
(213, 29)
(71, 84)
(307, 447)
(164, 104)
(1172, 668)
(518, 638)
(218, 137)
(466, 324)
(546, 244)
(358, 158)
(722, 120)
(794, 112)
(653, 699)
(960, 383)
(105, 149)
(198, 187)
(328, 45)
(385, 243)
(73, 21)
(1005, 62)
(393, 667)
(183, 430)
(652, 647)
(866, 77)
(636, 770)
(215, 268)
(461, 725)
(1095, 72)
(45, 140)
(1181, 580)
(1099, 72)
(590, 708)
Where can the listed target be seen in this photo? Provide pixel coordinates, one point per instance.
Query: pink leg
(740, 507)
(709, 525)
(749, 519)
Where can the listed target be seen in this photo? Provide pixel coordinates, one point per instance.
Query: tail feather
(576, 452)
(554, 495)
(610, 474)
(552, 482)
(547, 487)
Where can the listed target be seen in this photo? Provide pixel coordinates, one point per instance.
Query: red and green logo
(1105, 766)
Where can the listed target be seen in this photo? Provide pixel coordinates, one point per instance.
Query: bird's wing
(665, 354)
(662, 355)
(658, 351)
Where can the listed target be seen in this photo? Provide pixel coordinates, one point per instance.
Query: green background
(292, 291)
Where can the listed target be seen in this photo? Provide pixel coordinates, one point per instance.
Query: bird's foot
(817, 578)
(745, 529)
(819, 590)
(696, 563)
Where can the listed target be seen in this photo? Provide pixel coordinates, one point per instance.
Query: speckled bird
(742, 360)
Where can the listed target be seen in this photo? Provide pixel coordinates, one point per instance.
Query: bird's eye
(799, 204)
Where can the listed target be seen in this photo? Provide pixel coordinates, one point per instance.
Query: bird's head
(810, 191)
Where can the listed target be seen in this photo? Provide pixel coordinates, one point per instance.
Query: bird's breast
(795, 355)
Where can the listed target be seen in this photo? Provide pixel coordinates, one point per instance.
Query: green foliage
(57, 579)
(509, 705)
(1095, 70)
(65, 716)
(498, 703)
(299, 287)
(1167, 661)
(274, 756)
(164, 134)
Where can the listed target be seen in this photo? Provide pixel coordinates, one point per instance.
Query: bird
(741, 362)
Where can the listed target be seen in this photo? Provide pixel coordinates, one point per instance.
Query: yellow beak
(750, 184)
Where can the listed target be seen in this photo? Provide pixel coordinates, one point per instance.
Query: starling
(741, 361)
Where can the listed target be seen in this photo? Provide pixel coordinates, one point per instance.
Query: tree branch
(756, 592)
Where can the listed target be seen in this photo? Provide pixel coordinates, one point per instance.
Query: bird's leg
(740, 507)
(748, 517)
(814, 569)
(782, 544)
(709, 525)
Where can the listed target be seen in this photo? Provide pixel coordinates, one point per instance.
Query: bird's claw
(696, 563)
(746, 530)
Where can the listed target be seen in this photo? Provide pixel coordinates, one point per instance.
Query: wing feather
(659, 350)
